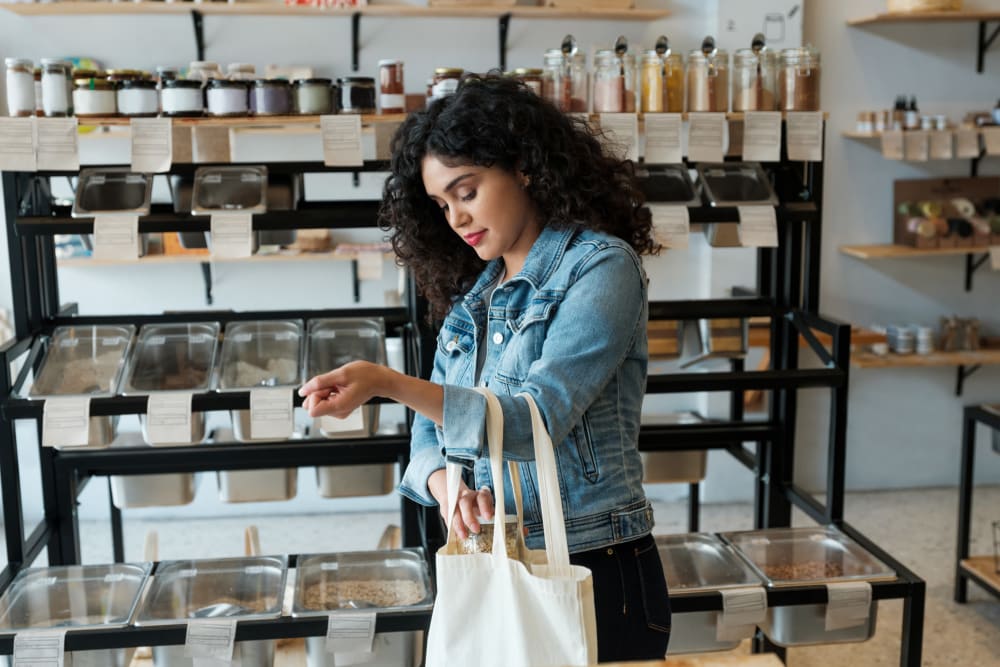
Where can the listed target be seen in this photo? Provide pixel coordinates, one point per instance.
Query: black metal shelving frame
(972, 416)
(787, 293)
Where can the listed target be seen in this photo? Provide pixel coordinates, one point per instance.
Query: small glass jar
(673, 82)
(55, 78)
(392, 93)
(357, 94)
(708, 81)
(530, 77)
(754, 75)
(227, 98)
(652, 83)
(445, 81)
(20, 87)
(630, 100)
(798, 80)
(39, 111)
(241, 72)
(95, 97)
(312, 96)
(579, 99)
(271, 97)
(204, 71)
(166, 73)
(557, 83)
(182, 97)
(609, 83)
(138, 98)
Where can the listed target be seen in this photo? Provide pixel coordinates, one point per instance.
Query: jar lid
(228, 83)
(389, 62)
(313, 81)
(124, 74)
(449, 71)
(192, 84)
(357, 81)
(84, 73)
(48, 62)
(138, 83)
(95, 83)
(263, 83)
(19, 62)
(529, 71)
(803, 55)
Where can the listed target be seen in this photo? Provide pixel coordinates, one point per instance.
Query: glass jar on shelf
(20, 87)
(673, 86)
(95, 97)
(445, 81)
(55, 78)
(754, 80)
(708, 79)
(609, 82)
(557, 85)
(531, 77)
(630, 98)
(798, 80)
(652, 83)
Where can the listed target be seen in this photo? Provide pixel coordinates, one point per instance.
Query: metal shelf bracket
(964, 373)
(199, 32)
(504, 30)
(972, 264)
(984, 43)
(355, 38)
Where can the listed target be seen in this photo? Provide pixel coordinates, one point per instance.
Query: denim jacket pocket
(585, 450)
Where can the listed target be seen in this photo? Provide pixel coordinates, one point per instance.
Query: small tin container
(312, 96)
(271, 97)
(357, 95)
(182, 97)
(227, 98)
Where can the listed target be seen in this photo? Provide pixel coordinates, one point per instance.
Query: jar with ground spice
(20, 87)
(754, 75)
(312, 96)
(798, 80)
(95, 97)
(392, 93)
(227, 98)
(271, 97)
(708, 80)
(673, 82)
(182, 97)
(652, 83)
(609, 82)
(138, 97)
(357, 94)
(557, 85)
(630, 99)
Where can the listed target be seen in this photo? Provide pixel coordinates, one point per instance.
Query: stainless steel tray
(668, 184)
(112, 190)
(736, 184)
(230, 189)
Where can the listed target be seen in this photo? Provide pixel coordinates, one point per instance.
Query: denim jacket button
(450, 346)
(497, 338)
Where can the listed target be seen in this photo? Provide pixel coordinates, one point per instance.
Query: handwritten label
(350, 633)
(152, 145)
(56, 148)
(848, 604)
(966, 143)
(210, 638)
(671, 225)
(341, 140)
(762, 136)
(17, 144)
(66, 421)
(271, 412)
(232, 235)
(621, 134)
(742, 610)
(168, 418)
(805, 135)
(916, 146)
(39, 648)
(706, 132)
(116, 237)
(663, 138)
(758, 227)
(942, 145)
(892, 145)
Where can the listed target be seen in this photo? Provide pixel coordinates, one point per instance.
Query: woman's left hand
(343, 390)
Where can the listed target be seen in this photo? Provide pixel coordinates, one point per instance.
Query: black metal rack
(964, 571)
(787, 294)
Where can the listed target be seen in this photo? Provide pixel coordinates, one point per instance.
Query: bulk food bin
(85, 360)
(156, 490)
(668, 184)
(242, 588)
(174, 357)
(809, 557)
(331, 344)
(674, 467)
(78, 597)
(394, 580)
(112, 191)
(696, 563)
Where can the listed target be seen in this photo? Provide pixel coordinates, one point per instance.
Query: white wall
(863, 69)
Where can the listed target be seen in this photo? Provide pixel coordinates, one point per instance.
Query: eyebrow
(457, 181)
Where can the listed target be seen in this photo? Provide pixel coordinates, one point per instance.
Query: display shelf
(984, 570)
(896, 251)
(927, 17)
(979, 569)
(963, 358)
(153, 260)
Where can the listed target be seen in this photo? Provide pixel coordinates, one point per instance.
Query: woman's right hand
(471, 504)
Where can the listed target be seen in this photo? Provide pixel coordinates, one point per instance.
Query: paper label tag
(370, 265)
(211, 144)
(892, 145)
(621, 134)
(210, 638)
(152, 145)
(57, 148)
(742, 610)
(805, 135)
(849, 604)
(39, 648)
(271, 412)
(762, 136)
(352, 422)
(17, 144)
(706, 133)
(116, 237)
(663, 138)
(916, 146)
(350, 632)
(232, 235)
(758, 227)
(991, 137)
(65, 421)
(168, 418)
(341, 140)
(942, 145)
(384, 132)
(995, 258)
(671, 225)
(966, 143)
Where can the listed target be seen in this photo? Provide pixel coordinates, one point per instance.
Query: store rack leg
(964, 505)
(913, 626)
(117, 534)
(694, 507)
(67, 526)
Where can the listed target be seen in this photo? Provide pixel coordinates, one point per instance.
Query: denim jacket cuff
(464, 422)
(413, 485)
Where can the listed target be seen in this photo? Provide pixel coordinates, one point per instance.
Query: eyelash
(468, 197)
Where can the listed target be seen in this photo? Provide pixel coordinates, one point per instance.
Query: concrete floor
(916, 526)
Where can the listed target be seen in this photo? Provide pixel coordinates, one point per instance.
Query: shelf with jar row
(928, 17)
(897, 251)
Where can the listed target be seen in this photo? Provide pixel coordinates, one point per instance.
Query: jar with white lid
(609, 82)
(20, 87)
(95, 97)
(55, 78)
(227, 98)
(182, 97)
(138, 97)
(313, 96)
(241, 72)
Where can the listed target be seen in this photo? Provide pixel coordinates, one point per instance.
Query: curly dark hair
(491, 121)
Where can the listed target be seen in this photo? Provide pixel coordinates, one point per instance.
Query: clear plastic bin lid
(264, 353)
(736, 183)
(699, 562)
(803, 556)
(112, 190)
(74, 596)
(247, 588)
(383, 580)
(83, 360)
(335, 342)
(173, 357)
(220, 189)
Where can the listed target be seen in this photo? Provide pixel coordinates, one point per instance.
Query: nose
(458, 217)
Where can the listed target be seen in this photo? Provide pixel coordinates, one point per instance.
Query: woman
(524, 237)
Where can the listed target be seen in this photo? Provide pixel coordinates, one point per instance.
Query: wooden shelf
(242, 121)
(935, 359)
(927, 17)
(283, 256)
(70, 7)
(984, 568)
(893, 251)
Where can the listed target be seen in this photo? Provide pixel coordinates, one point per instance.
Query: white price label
(762, 136)
(742, 610)
(942, 145)
(168, 418)
(232, 235)
(848, 604)
(663, 138)
(65, 421)
(210, 638)
(350, 632)
(991, 138)
(706, 136)
(892, 145)
(57, 148)
(966, 143)
(17, 144)
(349, 424)
(671, 225)
(370, 265)
(620, 133)
(39, 648)
(804, 131)
(341, 140)
(995, 258)
(116, 237)
(916, 146)
(152, 145)
(271, 412)
(758, 227)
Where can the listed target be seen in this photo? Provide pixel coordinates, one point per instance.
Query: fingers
(468, 509)
(485, 501)
(325, 382)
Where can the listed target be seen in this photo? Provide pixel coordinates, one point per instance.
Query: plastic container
(80, 597)
(112, 190)
(809, 557)
(697, 563)
(381, 581)
(736, 184)
(244, 588)
(674, 467)
(157, 490)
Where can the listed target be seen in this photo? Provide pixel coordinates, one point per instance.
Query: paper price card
(116, 237)
(621, 134)
(848, 604)
(995, 258)
(341, 140)
(991, 138)
(805, 135)
(663, 138)
(671, 225)
(942, 145)
(271, 411)
(66, 421)
(350, 632)
(892, 145)
(706, 135)
(232, 235)
(916, 146)
(17, 144)
(39, 648)
(56, 148)
(152, 145)
(762, 136)
(370, 265)
(742, 610)
(168, 418)
(758, 227)
(211, 638)
(351, 423)
(966, 143)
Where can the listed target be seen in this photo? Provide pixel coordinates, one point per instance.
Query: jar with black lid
(182, 97)
(357, 94)
(312, 96)
(138, 97)
(227, 98)
(271, 97)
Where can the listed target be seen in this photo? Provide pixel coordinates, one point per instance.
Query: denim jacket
(570, 329)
